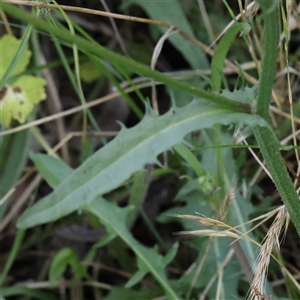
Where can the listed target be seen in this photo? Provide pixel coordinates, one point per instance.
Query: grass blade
(122, 61)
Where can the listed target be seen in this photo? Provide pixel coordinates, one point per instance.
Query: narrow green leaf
(266, 137)
(268, 142)
(14, 151)
(52, 169)
(114, 218)
(137, 277)
(143, 268)
(171, 254)
(105, 240)
(138, 193)
(191, 159)
(129, 152)
(12, 255)
(221, 52)
(87, 149)
(61, 260)
(100, 52)
(24, 291)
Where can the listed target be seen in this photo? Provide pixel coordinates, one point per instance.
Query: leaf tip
(149, 111)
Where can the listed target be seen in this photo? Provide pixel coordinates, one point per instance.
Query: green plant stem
(19, 53)
(153, 230)
(266, 138)
(77, 73)
(13, 254)
(267, 141)
(99, 51)
(127, 97)
(43, 142)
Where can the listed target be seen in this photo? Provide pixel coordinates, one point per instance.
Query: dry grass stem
(156, 52)
(198, 270)
(284, 114)
(235, 233)
(213, 279)
(210, 232)
(6, 23)
(7, 195)
(256, 158)
(290, 137)
(115, 28)
(71, 135)
(249, 11)
(282, 281)
(230, 195)
(206, 21)
(203, 220)
(286, 32)
(55, 106)
(271, 240)
(15, 209)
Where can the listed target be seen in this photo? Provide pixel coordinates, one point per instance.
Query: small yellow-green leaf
(89, 72)
(61, 260)
(9, 45)
(17, 100)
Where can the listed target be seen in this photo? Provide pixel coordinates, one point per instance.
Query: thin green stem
(99, 51)
(267, 141)
(17, 57)
(265, 137)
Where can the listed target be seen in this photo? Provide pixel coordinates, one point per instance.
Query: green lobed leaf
(19, 98)
(138, 276)
(52, 169)
(129, 152)
(244, 95)
(114, 218)
(111, 235)
(171, 254)
(9, 45)
(143, 268)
